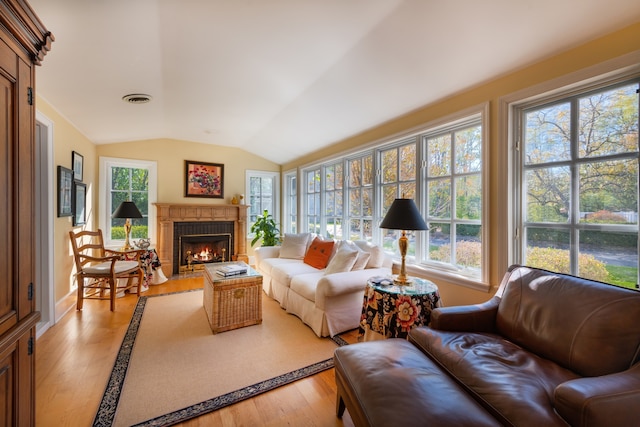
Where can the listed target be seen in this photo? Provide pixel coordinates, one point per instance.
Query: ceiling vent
(137, 98)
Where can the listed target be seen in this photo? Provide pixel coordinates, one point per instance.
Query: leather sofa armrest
(264, 252)
(600, 401)
(466, 318)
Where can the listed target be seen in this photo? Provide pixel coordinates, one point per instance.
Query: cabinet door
(8, 84)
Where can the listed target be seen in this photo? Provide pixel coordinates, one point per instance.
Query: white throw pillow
(362, 260)
(342, 261)
(294, 246)
(363, 257)
(377, 254)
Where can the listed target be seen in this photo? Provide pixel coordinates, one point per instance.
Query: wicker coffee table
(232, 302)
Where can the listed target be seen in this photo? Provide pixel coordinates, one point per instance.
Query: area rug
(171, 368)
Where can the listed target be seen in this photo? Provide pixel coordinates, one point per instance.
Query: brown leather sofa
(547, 350)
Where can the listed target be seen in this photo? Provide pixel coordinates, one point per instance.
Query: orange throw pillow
(318, 253)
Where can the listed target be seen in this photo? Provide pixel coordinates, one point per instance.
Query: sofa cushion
(294, 246)
(318, 253)
(589, 327)
(391, 383)
(377, 254)
(267, 264)
(514, 383)
(342, 261)
(284, 272)
(305, 284)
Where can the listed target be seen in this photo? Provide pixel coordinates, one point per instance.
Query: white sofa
(328, 300)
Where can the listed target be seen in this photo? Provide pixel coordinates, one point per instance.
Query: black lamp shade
(403, 215)
(127, 210)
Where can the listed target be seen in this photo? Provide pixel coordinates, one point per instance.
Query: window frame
(106, 163)
(573, 226)
(275, 197)
(430, 269)
(290, 202)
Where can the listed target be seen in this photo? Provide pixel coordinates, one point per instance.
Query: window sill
(433, 274)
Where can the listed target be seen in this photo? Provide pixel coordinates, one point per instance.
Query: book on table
(231, 270)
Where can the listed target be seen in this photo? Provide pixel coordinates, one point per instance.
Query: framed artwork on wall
(204, 179)
(79, 203)
(65, 188)
(77, 160)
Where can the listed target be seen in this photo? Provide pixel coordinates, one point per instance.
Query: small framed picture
(204, 179)
(65, 188)
(79, 203)
(78, 165)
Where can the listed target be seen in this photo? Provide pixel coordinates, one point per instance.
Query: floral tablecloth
(391, 310)
(150, 264)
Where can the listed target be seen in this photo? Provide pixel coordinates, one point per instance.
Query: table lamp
(403, 215)
(127, 210)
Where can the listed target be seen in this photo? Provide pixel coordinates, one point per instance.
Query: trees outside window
(441, 168)
(578, 166)
(127, 180)
(453, 180)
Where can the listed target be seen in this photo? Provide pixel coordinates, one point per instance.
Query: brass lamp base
(127, 244)
(402, 279)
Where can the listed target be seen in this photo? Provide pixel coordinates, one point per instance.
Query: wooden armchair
(101, 268)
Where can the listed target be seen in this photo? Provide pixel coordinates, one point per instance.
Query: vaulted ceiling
(283, 78)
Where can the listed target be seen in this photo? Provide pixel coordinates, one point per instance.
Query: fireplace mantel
(169, 213)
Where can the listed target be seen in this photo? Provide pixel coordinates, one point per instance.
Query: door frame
(45, 179)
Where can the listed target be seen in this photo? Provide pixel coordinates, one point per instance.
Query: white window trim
(105, 201)
(286, 206)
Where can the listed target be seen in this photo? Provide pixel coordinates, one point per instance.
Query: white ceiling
(282, 78)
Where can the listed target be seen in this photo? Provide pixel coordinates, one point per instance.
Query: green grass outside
(623, 276)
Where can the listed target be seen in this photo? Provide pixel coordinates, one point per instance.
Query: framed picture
(78, 165)
(204, 179)
(79, 203)
(65, 188)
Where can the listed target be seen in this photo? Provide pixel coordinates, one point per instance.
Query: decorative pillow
(318, 253)
(294, 246)
(343, 260)
(377, 254)
(363, 257)
(361, 260)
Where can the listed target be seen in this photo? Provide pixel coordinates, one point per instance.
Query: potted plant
(265, 228)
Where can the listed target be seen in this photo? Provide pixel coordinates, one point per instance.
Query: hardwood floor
(74, 360)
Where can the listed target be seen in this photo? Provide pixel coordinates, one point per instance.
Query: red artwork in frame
(204, 179)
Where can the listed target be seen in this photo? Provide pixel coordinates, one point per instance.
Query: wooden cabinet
(23, 43)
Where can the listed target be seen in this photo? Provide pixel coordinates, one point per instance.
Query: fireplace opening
(196, 250)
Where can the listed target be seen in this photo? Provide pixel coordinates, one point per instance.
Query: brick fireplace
(169, 214)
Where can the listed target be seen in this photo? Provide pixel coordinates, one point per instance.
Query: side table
(232, 302)
(150, 264)
(390, 310)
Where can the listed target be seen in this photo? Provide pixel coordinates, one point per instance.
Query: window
(262, 190)
(127, 180)
(312, 206)
(578, 175)
(454, 195)
(290, 218)
(440, 167)
(334, 182)
(398, 179)
(360, 200)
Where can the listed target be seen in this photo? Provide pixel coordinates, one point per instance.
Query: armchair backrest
(86, 244)
(589, 327)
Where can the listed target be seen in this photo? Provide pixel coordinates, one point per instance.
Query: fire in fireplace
(199, 249)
